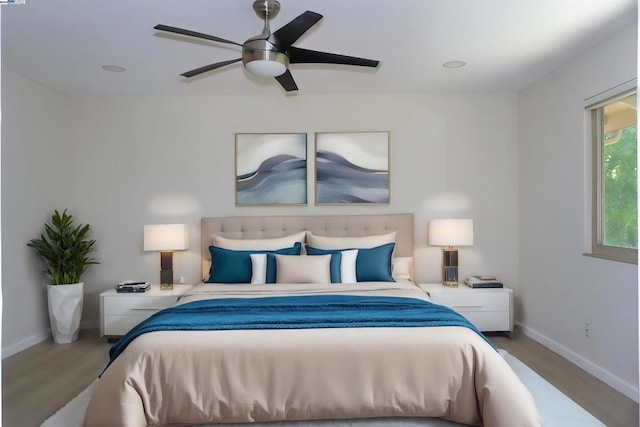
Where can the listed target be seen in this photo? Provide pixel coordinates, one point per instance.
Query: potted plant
(65, 248)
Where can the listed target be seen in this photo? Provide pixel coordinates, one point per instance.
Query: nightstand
(119, 312)
(489, 309)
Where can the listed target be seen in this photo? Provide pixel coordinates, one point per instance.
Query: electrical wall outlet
(181, 279)
(587, 330)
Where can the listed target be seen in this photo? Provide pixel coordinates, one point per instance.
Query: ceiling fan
(269, 54)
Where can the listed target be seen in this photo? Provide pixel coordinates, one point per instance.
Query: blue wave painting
(352, 167)
(271, 169)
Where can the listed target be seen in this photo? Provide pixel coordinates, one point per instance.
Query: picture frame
(270, 169)
(352, 167)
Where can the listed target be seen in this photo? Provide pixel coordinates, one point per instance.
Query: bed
(308, 350)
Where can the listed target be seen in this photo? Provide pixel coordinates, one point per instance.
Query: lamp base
(450, 267)
(166, 272)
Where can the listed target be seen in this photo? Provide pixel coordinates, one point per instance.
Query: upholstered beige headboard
(264, 227)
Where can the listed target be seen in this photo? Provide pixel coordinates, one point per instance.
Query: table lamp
(450, 233)
(166, 238)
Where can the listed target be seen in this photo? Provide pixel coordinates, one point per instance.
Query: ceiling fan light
(265, 68)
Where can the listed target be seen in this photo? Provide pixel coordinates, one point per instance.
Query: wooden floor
(40, 380)
(611, 407)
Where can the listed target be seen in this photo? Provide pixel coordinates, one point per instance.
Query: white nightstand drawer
(488, 320)
(488, 309)
(476, 301)
(119, 312)
(119, 305)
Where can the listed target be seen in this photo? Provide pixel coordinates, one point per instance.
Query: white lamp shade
(165, 237)
(451, 232)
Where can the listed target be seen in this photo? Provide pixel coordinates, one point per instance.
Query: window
(615, 178)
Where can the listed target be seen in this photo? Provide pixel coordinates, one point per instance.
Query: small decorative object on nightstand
(483, 282)
(166, 238)
(450, 233)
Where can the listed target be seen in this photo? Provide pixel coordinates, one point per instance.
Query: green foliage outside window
(621, 190)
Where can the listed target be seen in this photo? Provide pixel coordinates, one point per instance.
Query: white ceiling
(507, 43)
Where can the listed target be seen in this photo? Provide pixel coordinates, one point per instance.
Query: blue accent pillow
(334, 265)
(372, 265)
(229, 266)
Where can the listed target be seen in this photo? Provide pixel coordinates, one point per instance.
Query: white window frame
(595, 110)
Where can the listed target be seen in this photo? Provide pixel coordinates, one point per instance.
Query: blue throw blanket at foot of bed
(296, 312)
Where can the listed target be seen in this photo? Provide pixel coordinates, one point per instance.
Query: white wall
(171, 159)
(560, 289)
(119, 163)
(0, 227)
(35, 180)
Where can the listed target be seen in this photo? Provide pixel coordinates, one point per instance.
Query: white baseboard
(602, 374)
(24, 344)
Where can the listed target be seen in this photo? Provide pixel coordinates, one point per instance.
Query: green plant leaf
(64, 249)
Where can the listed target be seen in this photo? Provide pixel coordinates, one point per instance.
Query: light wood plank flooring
(611, 407)
(40, 380)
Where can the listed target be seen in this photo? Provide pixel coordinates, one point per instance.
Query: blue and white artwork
(352, 167)
(271, 168)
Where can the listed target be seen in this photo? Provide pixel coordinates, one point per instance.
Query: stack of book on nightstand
(131, 286)
(483, 282)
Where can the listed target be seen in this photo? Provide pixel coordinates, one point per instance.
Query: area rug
(556, 409)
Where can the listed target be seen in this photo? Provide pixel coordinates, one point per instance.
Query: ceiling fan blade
(193, 34)
(287, 82)
(209, 67)
(284, 37)
(305, 56)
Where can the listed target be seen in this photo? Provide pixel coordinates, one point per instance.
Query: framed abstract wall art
(352, 167)
(271, 169)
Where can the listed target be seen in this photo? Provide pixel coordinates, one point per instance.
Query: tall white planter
(65, 311)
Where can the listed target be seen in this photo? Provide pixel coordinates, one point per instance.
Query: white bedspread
(192, 377)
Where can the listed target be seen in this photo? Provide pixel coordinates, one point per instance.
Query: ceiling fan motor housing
(262, 58)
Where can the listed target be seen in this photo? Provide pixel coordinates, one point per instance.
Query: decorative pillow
(402, 268)
(348, 266)
(258, 244)
(343, 263)
(303, 269)
(326, 242)
(372, 264)
(258, 269)
(230, 266)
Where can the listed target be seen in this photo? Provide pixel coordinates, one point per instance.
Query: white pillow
(303, 269)
(364, 242)
(258, 269)
(402, 268)
(258, 244)
(348, 266)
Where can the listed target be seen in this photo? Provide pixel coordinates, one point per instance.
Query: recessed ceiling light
(113, 68)
(454, 64)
